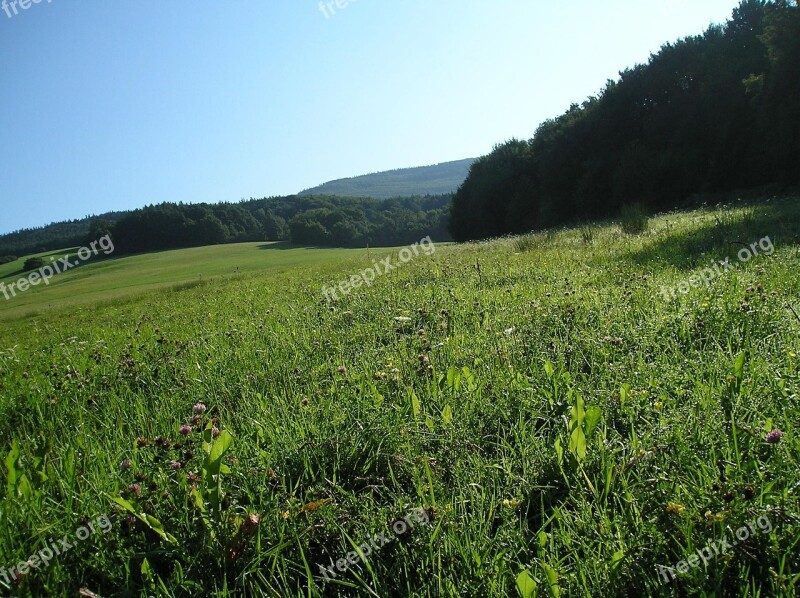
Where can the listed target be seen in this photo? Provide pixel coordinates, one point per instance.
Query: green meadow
(526, 417)
(107, 278)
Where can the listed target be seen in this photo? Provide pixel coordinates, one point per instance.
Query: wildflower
(165, 495)
(513, 502)
(792, 354)
(136, 489)
(658, 405)
(186, 430)
(342, 369)
(304, 401)
(215, 431)
(175, 465)
(126, 464)
(673, 507)
(140, 442)
(199, 408)
(196, 419)
(774, 436)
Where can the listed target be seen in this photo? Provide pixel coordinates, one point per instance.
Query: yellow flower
(659, 405)
(673, 507)
(792, 354)
(285, 514)
(510, 502)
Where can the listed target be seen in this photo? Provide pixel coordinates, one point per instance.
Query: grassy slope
(476, 446)
(108, 279)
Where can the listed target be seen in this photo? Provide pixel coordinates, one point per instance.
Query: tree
(715, 112)
(274, 227)
(33, 263)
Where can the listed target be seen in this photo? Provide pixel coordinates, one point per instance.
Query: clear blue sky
(110, 105)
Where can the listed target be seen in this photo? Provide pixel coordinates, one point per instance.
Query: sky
(117, 105)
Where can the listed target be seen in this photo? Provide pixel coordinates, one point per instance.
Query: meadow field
(106, 277)
(530, 416)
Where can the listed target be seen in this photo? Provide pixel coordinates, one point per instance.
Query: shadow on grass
(728, 231)
(284, 245)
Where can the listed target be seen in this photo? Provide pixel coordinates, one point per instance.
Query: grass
(564, 427)
(110, 278)
(634, 219)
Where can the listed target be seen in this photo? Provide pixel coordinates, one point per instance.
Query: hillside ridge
(435, 179)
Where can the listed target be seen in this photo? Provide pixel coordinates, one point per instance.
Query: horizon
(141, 115)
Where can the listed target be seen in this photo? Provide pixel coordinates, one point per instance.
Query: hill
(122, 278)
(405, 182)
(533, 413)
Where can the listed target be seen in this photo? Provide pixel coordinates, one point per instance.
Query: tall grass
(566, 429)
(634, 219)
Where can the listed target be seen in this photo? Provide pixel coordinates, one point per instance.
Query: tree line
(51, 237)
(316, 221)
(312, 220)
(711, 113)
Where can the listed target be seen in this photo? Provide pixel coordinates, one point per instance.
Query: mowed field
(522, 417)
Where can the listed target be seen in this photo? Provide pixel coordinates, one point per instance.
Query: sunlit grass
(542, 401)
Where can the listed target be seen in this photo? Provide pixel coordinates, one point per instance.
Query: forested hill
(717, 112)
(405, 182)
(57, 235)
(354, 216)
(314, 220)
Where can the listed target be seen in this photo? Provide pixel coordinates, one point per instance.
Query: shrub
(33, 263)
(634, 219)
(526, 243)
(6, 259)
(533, 241)
(587, 234)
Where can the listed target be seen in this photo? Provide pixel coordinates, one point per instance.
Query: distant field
(530, 417)
(105, 278)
